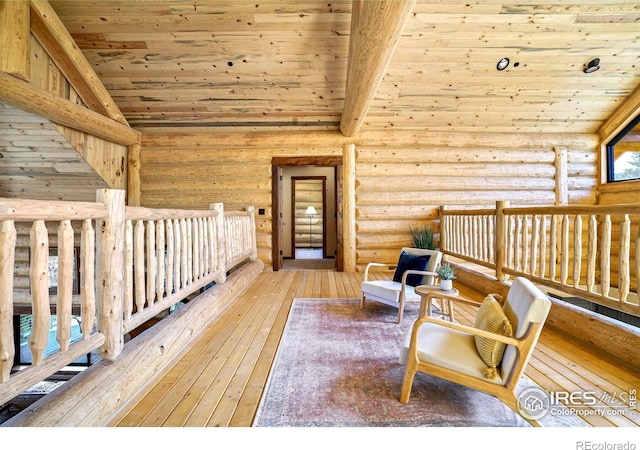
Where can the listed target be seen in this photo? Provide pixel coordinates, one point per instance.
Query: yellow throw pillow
(491, 318)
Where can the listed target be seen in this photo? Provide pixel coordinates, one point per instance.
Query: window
(623, 154)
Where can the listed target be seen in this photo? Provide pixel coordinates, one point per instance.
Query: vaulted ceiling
(282, 65)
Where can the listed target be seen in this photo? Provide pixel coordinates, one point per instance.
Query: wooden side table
(446, 304)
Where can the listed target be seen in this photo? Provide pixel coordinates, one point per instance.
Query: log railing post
(501, 239)
(110, 283)
(39, 284)
(252, 233)
(7, 261)
(443, 229)
(220, 241)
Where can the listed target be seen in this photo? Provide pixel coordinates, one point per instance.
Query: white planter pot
(446, 285)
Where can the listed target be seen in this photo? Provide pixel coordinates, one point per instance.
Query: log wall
(191, 172)
(401, 178)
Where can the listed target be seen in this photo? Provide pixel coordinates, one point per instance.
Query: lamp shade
(311, 211)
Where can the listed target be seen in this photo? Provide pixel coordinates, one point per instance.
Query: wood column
(562, 176)
(220, 241)
(110, 274)
(349, 207)
(8, 238)
(252, 229)
(14, 38)
(375, 30)
(133, 175)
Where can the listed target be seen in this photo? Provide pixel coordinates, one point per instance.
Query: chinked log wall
(401, 179)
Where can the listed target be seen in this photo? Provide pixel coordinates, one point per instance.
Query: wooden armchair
(415, 267)
(448, 350)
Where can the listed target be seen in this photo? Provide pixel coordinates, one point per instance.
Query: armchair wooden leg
(362, 302)
(400, 314)
(407, 384)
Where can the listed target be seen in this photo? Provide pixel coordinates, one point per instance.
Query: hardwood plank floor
(219, 380)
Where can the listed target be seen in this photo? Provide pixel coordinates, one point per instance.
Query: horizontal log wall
(401, 178)
(403, 185)
(191, 172)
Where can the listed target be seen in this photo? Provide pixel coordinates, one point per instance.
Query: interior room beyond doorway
(309, 212)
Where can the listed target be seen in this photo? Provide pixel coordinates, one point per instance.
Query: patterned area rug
(337, 366)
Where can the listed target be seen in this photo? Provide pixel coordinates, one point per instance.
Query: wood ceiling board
(286, 55)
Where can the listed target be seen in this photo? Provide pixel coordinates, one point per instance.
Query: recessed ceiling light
(503, 64)
(592, 65)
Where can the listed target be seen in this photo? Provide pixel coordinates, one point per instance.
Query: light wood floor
(220, 378)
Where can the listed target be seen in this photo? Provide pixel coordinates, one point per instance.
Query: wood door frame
(277, 164)
(324, 210)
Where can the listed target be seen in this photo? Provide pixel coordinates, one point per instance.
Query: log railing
(588, 251)
(134, 263)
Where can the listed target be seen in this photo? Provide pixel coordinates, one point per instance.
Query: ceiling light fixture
(592, 65)
(503, 64)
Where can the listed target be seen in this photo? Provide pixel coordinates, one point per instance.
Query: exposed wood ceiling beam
(60, 46)
(375, 29)
(621, 117)
(22, 95)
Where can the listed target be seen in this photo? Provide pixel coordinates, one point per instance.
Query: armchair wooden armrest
(373, 264)
(519, 343)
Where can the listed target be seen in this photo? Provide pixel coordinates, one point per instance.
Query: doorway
(300, 183)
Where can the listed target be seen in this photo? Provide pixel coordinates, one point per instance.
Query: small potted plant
(446, 273)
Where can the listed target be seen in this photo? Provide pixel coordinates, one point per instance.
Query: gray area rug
(337, 366)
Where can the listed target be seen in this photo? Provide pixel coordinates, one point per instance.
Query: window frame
(610, 146)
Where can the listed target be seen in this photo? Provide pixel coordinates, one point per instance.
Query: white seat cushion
(387, 290)
(452, 349)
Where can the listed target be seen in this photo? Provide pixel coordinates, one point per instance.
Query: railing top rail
(141, 213)
(468, 212)
(626, 208)
(237, 212)
(30, 210)
(579, 209)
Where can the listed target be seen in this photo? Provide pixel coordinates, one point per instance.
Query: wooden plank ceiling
(281, 65)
